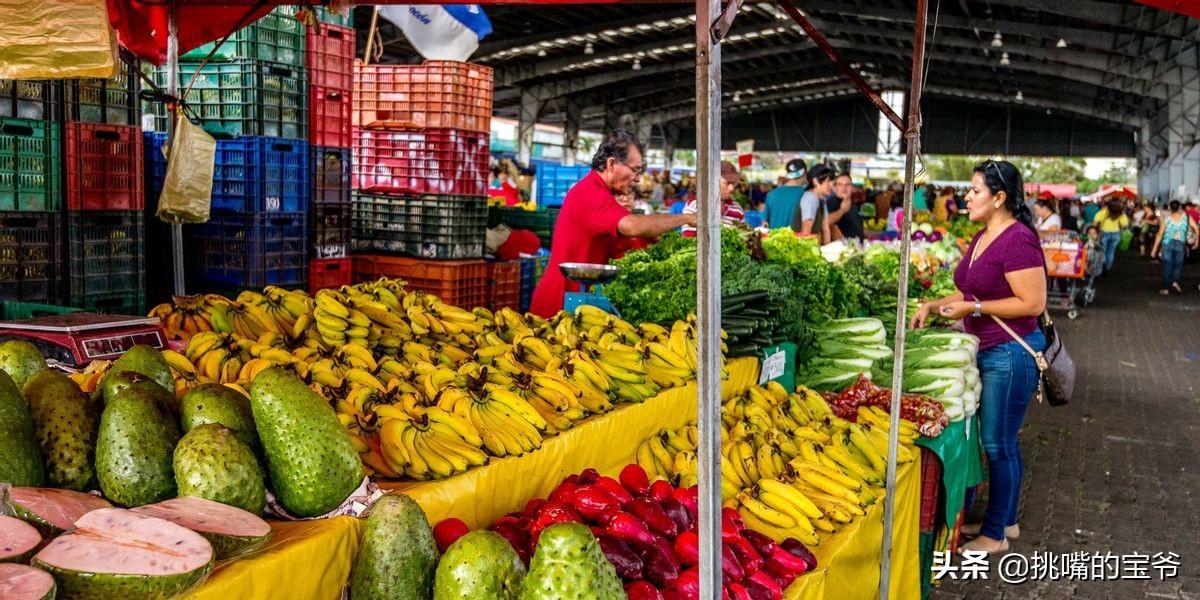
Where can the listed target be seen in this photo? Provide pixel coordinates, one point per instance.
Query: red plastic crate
(329, 114)
(931, 489)
(328, 273)
(504, 285)
(421, 161)
(463, 283)
(104, 167)
(330, 56)
(436, 93)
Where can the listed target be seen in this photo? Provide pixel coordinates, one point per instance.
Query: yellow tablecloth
(848, 561)
(311, 559)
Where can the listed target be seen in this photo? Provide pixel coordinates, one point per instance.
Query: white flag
(450, 32)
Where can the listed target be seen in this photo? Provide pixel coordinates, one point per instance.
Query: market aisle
(1118, 470)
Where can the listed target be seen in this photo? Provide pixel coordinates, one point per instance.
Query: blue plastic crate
(252, 174)
(554, 181)
(248, 250)
(531, 271)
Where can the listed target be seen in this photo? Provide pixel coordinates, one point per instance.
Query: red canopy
(1190, 8)
(142, 26)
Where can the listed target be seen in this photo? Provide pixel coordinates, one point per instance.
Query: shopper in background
(1090, 210)
(844, 218)
(1002, 278)
(502, 187)
(1112, 222)
(1193, 211)
(784, 199)
(731, 211)
(1150, 225)
(1048, 221)
(1177, 234)
(895, 213)
(811, 218)
(595, 214)
(1135, 226)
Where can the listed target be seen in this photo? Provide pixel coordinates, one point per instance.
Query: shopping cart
(1067, 267)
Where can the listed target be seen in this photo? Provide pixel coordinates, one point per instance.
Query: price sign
(773, 367)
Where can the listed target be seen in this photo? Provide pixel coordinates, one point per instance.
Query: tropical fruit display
(65, 421)
(398, 557)
(231, 531)
(23, 582)
(20, 455)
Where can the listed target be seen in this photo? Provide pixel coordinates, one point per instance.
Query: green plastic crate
(28, 310)
(429, 226)
(30, 165)
(243, 97)
(277, 37)
(540, 222)
(325, 16)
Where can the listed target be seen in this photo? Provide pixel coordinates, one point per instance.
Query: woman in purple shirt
(1002, 276)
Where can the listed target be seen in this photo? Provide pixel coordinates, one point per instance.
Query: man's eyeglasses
(638, 170)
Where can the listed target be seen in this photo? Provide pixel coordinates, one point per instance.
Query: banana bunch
(428, 442)
(507, 424)
(338, 323)
(879, 420)
(290, 309)
(216, 356)
(772, 509)
(185, 316)
(244, 319)
(556, 400)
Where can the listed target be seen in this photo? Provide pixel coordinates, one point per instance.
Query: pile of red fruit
(648, 532)
(925, 412)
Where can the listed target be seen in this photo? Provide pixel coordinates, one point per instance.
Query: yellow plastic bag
(56, 39)
(187, 189)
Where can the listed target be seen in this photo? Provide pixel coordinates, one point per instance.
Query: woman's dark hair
(1046, 204)
(1114, 208)
(1002, 176)
(1175, 205)
(897, 200)
(615, 145)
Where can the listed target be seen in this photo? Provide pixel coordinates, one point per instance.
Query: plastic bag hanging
(54, 40)
(187, 189)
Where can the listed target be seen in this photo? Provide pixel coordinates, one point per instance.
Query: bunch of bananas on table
(427, 389)
(185, 316)
(789, 465)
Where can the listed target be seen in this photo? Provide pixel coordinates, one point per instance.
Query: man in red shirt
(595, 215)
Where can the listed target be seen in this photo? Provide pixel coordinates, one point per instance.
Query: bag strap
(1038, 357)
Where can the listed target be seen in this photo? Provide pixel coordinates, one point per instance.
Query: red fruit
(516, 536)
(564, 493)
(624, 560)
(797, 548)
(731, 569)
(533, 504)
(730, 517)
(685, 497)
(737, 591)
(745, 552)
(687, 585)
(446, 532)
(661, 490)
(548, 514)
(678, 513)
(654, 516)
(763, 544)
(642, 590)
(687, 548)
(594, 503)
(757, 591)
(625, 526)
(785, 564)
(588, 476)
(766, 582)
(635, 479)
(662, 567)
(614, 488)
(571, 479)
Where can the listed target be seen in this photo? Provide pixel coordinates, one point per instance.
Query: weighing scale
(590, 278)
(75, 339)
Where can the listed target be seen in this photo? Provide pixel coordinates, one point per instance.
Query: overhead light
(542, 52)
(589, 49)
(737, 97)
(1020, 96)
(1004, 62)
(1061, 43)
(637, 64)
(997, 40)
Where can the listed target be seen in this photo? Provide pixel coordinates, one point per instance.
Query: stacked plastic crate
(105, 199)
(420, 158)
(31, 260)
(330, 60)
(252, 96)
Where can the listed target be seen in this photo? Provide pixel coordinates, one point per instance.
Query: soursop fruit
(398, 554)
(210, 462)
(134, 449)
(216, 403)
(149, 362)
(20, 360)
(480, 565)
(569, 565)
(65, 422)
(20, 458)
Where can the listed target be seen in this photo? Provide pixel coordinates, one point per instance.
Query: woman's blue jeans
(1110, 241)
(1010, 378)
(1173, 253)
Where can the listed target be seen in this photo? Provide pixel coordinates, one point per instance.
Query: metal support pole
(173, 91)
(912, 136)
(708, 294)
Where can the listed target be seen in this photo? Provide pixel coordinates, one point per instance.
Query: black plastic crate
(243, 97)
(113, 101)
(330, 178)
(540, 222)
(25, 99)
(429, 226)
(106, 251)
(329, 231)
(31, 262)
(248, 250)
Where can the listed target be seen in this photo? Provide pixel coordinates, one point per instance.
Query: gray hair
(617, 146)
